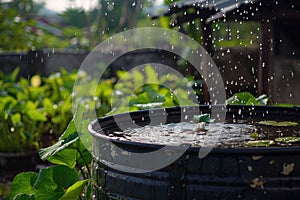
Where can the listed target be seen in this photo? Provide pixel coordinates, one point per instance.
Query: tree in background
(22, 27)
(107, 18)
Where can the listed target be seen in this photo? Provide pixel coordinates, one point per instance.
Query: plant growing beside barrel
(69, 153)
(65, 180)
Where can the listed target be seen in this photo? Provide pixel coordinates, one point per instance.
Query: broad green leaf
(242, 98)
(23, 183)
(85, 136)
(260, 143)
(74, 191)
(288, 139)
(71, 128)
(52, 182)
(86, 155)
(78, 118)
(58, 146)
(66, 157)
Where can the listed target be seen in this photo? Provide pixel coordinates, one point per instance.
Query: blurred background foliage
(29, 25)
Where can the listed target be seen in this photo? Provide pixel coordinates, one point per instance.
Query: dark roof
(215, 6)
(215, 9)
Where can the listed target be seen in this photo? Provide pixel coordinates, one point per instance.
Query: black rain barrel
(225, 173)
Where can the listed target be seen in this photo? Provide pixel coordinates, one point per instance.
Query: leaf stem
(85, 163)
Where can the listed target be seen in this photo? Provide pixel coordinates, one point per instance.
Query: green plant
(138, 91)
(27, 113)
(69, 179)
(56, 182)
(246, 98)
(20, 122)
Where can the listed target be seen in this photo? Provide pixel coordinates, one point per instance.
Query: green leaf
(16, 118)
(53, 181)
(58, 146)
(254, 135)
(124, 75)
(242, 98)
(88, 191)
(278, 124)
(138, 78)
(23, 183)
(35, 115)
(85, 136)
(71, 128)
(288, 105)
(262, 100)
(66, 150)
(78, 118)
(151, 74)
(260, 143)
(49, 106)
(13, 76)
(288, 139)
(202, 118)
(66, 157)
(74, 191)
(24, 197)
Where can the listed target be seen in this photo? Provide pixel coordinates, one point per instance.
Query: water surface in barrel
(205, 135)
